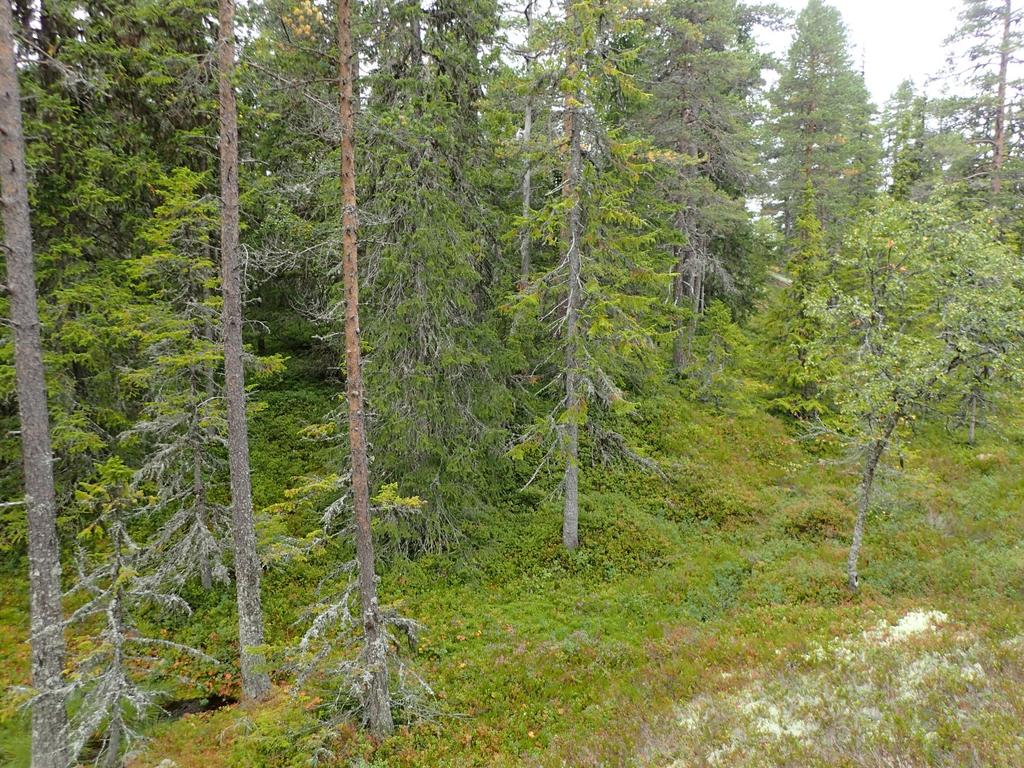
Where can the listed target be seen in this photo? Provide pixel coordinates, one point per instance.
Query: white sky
(896, 38)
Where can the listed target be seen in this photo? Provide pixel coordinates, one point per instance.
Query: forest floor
(705, 620)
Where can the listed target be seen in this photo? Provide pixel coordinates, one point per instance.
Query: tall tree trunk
(116, 726)
(113, 748)
(199, 491)
(678, 297)
(255, 681)
(573, 234)
(696, 298)
(867, 483)
(198, 483)
(1000, 127)
(377, 697)
(49, 718)
(525, 244)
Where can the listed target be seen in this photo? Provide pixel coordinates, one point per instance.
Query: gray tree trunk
(116, 726)
(525, 244)
(255, 681)
(1000, 122)
(199, 491)
(867, 482)
(696, 299)
(678, 297)
(573, 234)
(49, 718)
(376, 688)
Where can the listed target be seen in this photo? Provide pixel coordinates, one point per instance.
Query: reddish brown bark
(376, 693)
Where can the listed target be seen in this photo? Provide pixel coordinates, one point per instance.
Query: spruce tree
(800, 394)
(93, 161)
(117, 582)
(822, 130)
(434, 265)
(594, 310)
(525, 237)
(181, 431)
(704, 68)
(905, 133)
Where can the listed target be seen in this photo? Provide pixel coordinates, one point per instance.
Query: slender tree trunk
(113, 755)
(199, 491)
(255, 681)
(973, 424)
(198, 483)
(678, 297)
(377, 697)
(867, 482)
(696, 300)
(525, 240)
(209, 374)
(573, 233)
(116, 726)
(1000, 127)
(49, 718)
(525, 244)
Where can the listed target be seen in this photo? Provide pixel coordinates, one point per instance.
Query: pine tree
(376, 693)
(49, 718)
(822, 131)
(435, 265)
(983, 51)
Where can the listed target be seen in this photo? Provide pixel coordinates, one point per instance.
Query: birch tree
(918, 294)
(255, 681)
(49, 718)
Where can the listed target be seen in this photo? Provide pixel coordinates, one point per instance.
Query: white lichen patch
(914, 623)
(944, 699)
